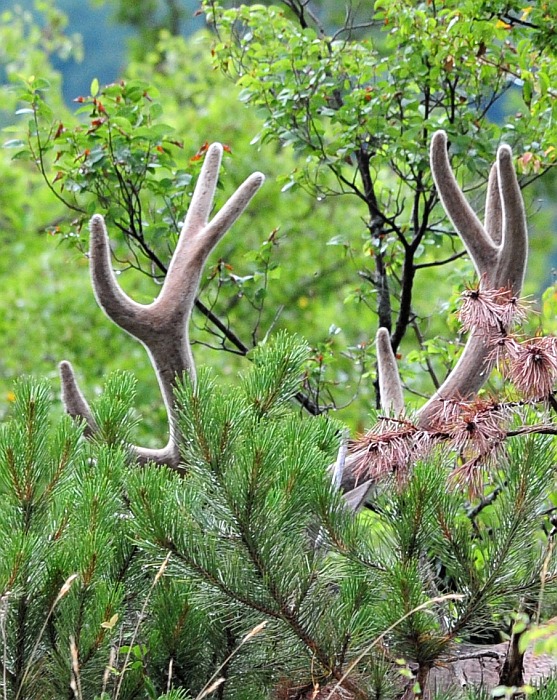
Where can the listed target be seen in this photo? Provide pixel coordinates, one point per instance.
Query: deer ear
(162, 327)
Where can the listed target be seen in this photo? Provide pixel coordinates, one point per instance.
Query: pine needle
(157, 578)
(377, 640)
(213, 681)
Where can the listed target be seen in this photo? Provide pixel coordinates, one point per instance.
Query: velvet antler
(390, 386)
(162, 326)
(499, 250)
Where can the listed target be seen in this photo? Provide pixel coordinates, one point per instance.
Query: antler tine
(162, 326)
(117, 305)
(513, 250)
(479, 244)
(493, 219)
(198, 238)
(390, 386)
(74, 402)
(499, 249)
(392, 401)
(202, 198)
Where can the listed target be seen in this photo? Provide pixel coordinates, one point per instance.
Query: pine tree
(263, 536)
(250, 575)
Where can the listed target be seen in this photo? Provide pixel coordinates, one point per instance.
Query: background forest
(236, 581)
(303, 215)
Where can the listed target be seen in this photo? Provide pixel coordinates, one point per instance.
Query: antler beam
(162, 326)
(498, 249)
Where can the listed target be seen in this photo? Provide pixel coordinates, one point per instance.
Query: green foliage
(249, 577)
(241, 526)
(351, 111)
(115, 160)
(149, 19)
(58, 519)
(27, 49)
(129, 583)
(247, 285)
(439, 68)
(360, 115)
(73, 585)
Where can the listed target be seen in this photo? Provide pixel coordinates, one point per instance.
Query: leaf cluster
(116, 159)
(439, 67)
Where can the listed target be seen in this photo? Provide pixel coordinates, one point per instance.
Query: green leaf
(94, 89)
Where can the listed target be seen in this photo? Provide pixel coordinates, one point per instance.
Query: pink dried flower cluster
(530, 365)
(471, 474)
(490, 310)
(477, 433)
(389, 448)
(476, 430)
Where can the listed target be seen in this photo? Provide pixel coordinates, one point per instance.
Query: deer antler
(162, 326)
(390, 386)
(499, 250)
